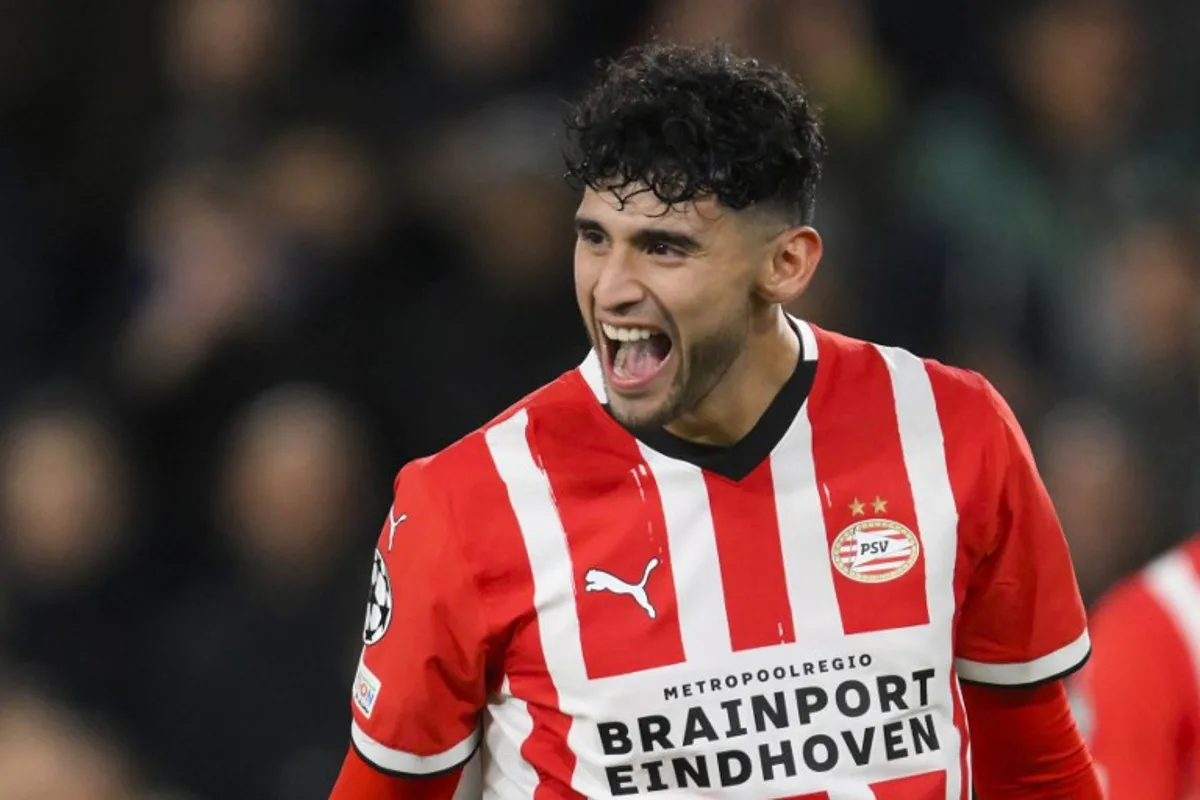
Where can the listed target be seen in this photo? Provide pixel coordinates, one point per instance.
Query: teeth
(627, 334)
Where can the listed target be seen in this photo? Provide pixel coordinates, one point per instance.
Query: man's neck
(736, 404)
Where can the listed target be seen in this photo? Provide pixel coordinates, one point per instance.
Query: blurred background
(256, 254)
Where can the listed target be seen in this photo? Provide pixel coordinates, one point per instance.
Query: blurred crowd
(256, 254)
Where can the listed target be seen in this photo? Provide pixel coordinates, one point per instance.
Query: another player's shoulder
(1170, 582)
(1190, 552)
(1176, 574)
(1152, 613)
(1124, 607)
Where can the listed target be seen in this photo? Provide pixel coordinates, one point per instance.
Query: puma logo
(597, 580)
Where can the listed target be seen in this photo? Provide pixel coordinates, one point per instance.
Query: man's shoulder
(964, 394)
(957, 391)
(461, 466)
(470, 483)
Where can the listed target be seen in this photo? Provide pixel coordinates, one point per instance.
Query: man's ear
(793, 261)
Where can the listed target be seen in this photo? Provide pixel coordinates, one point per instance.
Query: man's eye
(664, 250)
(593, 238)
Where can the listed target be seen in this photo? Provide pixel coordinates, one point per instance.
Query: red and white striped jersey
(599, 618)
(1138, 701)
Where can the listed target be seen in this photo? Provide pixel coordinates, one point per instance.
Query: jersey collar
(738, 460)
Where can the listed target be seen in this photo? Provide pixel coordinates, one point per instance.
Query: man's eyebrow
(645, 237)
(587, 224)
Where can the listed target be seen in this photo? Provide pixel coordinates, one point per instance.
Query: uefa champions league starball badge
(379, 603)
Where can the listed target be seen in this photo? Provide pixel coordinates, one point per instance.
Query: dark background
(256, 254)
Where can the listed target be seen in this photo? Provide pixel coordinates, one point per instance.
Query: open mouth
(634, 355)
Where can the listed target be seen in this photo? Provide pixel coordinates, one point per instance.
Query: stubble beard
(705, 363)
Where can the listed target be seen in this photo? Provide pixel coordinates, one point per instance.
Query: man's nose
(619, 289)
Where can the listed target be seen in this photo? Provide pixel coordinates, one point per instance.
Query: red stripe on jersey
(861, 475)
(814, 796)
(546, 746)
(953, 392)
(610, 509)
(929, 786)
(751, 557)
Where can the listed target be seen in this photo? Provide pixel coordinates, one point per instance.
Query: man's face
(666, 298)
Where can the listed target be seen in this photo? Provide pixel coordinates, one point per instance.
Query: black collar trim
(738, 460)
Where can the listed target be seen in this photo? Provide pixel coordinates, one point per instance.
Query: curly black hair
(687, 122)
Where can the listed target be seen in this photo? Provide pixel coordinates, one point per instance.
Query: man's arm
(360, 781)
(421, 680)
(1022, 625)
(1027, 746)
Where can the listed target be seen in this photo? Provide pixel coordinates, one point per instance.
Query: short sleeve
(420, 684)
(1022, 621)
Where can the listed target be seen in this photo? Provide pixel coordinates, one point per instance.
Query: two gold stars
(879, 505)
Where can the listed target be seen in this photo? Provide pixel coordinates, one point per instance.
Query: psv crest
(875, 550)
(379, 603)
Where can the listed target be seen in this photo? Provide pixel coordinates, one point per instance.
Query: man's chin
(642, 413)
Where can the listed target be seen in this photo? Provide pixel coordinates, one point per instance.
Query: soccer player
(1138, 699)
(731, 554)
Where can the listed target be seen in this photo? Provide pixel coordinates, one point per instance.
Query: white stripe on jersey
(695, 565)
(937, 518)
(593, 375)
(391, 760)
(533, 504)
(532, 501)
(807, 338)
(507, 725)
(802, 537)
(1176, 586)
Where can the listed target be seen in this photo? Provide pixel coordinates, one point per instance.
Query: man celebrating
(731, 554)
